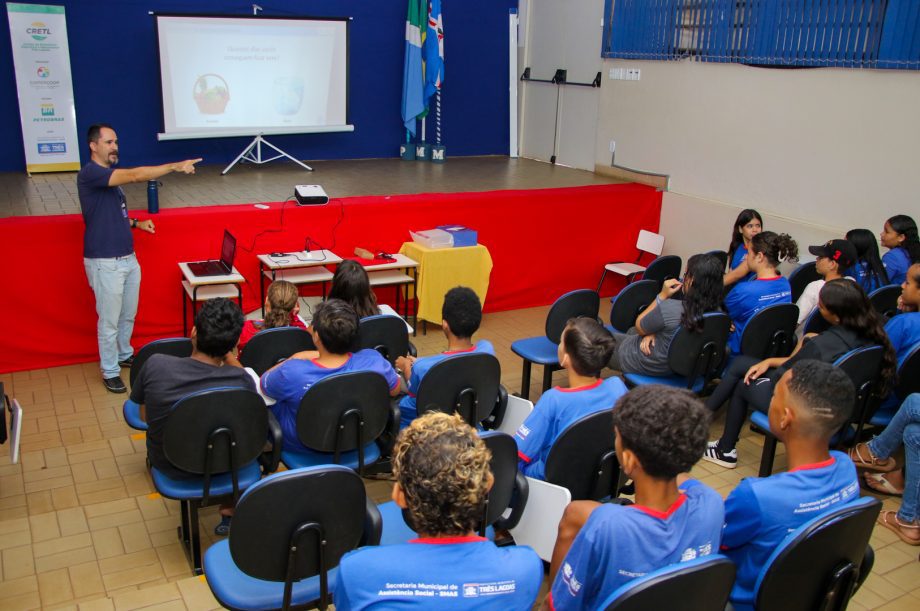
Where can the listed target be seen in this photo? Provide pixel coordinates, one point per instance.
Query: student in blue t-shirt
(584, 350)
(868, 270)
(442, 480)
(812, 401)
(660, 433)
(899, 236)
(461, 315)
(334, 328)
(748, 224)
(766, 252)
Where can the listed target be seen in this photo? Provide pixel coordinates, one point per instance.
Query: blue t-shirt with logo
(556, 410)
(896, 262)
(105, 214)
(904, 333)
(860, 272)
(621, 542)
(738, 258)
(407, 408)
(444, 573)
(288, 383)
(748, 298)
(761, 511)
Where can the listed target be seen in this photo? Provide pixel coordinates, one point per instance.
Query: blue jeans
(905, 426)
(116, 282)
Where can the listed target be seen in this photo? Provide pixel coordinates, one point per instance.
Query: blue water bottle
(153, 197)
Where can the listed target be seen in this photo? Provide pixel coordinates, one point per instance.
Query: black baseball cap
(841, 251)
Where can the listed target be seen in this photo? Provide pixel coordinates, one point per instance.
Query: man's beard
(113, 158)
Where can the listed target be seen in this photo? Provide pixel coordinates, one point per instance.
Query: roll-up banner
(41, 58)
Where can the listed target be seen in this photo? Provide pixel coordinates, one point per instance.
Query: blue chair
(820, 565)
(862, 365)
(543, 350)
(701, 584)
(269, 347)
(801, 277)
(289, 533)
(908, 383)
(695, 358)
(629, 303)
(467, 384)
(721, 255)
(216, 436)
(815, 323)
(385, 333)
(174, 346)
(665, 267)
(771, 331)
(583, 459)
(510, 489)
(885, 300)
(340, 419)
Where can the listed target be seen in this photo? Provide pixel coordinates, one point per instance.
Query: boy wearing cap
(833, 258)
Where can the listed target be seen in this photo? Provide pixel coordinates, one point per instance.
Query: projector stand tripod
(256, 157)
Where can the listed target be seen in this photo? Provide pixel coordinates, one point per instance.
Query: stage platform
(44, 194)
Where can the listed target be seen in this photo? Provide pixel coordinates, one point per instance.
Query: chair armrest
(413, 351)
(373, 524)
(518, 502)
(497, 416)
(270, 463)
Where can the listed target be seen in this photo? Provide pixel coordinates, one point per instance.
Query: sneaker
(115, 385)
(713, 454)
(127, 362)
(223, 529)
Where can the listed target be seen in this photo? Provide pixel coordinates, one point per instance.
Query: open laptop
(221, 267)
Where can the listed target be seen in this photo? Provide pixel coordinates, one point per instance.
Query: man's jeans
(904, 427)
(116, 283)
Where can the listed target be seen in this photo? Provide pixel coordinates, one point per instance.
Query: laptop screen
(228, 250)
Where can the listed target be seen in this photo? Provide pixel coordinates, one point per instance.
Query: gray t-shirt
(663, 321)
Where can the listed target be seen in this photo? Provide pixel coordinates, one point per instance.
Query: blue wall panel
(116, 79)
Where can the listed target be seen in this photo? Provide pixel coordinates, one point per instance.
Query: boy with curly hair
(442, 481)
(660, 433)
(461, 316)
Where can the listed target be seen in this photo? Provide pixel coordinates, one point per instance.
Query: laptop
(221, 267)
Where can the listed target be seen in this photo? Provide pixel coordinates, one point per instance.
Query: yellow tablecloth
(441, 269)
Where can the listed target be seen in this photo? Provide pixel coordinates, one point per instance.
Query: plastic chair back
(663, 268)
(862, 365)
(197, 421)
(885, 300)
(582, 302)
(700, 354)
(815, 323)
(174, 346)
(267, 348)
(630, 302)
(583, 458)
(464, 383)
(817, 566)
(343, 412)
(700, 584)
(299, 523)
(771, 331)
(802, 276)
(721, 255)
(649, 241)
(384, 333)
(909, 375)
(504, 466)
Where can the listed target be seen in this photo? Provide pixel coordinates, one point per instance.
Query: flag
(434, 50)
(413, 104)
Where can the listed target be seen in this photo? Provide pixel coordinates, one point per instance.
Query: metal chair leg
(547, 377)
(525, 381)
(768, 456)
(601, 283)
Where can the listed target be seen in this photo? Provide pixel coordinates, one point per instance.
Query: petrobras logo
(47, 109)
(38, 30)
(43, 72)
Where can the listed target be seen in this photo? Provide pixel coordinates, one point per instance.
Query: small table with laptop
(203, 280)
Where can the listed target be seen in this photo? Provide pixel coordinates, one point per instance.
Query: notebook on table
(219, 267)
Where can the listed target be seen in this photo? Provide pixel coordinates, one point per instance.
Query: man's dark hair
(666, 428)
(462, 311)
(826, 395)
(588, 344)
(95, 130)
(336, 323)
(218, 324)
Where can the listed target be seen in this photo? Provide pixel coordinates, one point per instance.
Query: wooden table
(201, 288)
(300, 267)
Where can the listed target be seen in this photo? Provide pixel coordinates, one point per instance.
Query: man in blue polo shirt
(442, 480)
(810, 403)
(108, 247)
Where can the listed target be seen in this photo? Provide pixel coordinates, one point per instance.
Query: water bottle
(153, 197)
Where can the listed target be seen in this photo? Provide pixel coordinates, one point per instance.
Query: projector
(310, 195)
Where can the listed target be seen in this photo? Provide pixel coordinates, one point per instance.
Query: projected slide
(224, 76)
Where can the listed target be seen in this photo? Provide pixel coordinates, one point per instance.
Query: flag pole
(437, 117)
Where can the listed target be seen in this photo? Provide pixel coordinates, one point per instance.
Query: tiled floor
(82, 527)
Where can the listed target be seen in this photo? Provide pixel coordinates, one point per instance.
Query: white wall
(817, 151)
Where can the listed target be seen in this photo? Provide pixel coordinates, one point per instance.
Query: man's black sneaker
(127, 362)
(115, 385)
